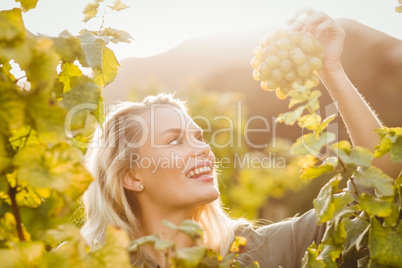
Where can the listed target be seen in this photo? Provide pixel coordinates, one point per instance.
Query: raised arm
(359, 118)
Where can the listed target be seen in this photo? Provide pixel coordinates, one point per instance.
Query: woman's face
(175, 165)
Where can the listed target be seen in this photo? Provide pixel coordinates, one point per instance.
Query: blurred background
(201, 50)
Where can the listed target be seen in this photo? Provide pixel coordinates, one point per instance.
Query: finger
(314, 20)
(305, 11)
(329, 26)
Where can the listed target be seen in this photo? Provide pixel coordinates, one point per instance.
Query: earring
(140, 187)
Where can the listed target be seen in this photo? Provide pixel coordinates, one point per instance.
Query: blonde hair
(107, 202)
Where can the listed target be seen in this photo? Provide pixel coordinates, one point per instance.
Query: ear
(131, 182)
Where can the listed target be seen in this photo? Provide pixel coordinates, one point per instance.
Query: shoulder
(282, 243)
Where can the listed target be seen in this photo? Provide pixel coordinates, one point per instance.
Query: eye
(201, 138)
(176, 140)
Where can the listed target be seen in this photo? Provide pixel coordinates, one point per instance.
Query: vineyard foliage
(41, 172)
(43, 137)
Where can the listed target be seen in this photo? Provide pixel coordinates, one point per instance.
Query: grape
(283, 54)
(299, 58)
(277, 75)
(285, 59)
(255, 62)
(258, 52)
(315, 63)
(273, 61)
(304, 70)
(285, 65)
(284, 44)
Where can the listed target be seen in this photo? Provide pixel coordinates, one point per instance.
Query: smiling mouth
(198, 172)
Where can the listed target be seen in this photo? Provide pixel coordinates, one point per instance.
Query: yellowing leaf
(79, 100)
(27, 5)
(30, 197)
(12, 112)
(5, 159)
(310, 121)
(92, 48)
(68, 70)
(8, 229)
(58, 168)
(11, 25)
(113, 252)
(238, 244)
(310, 259)
(289, 118)
(90, 11)
(67, 46)
(48, 118)
(42, 70)
(117, 35)
(108, 72)
(119, 5)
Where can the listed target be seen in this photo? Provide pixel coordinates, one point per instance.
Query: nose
(202, 149)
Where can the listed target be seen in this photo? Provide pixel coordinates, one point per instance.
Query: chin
(209, 197)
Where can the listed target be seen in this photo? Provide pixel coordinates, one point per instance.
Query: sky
(159, 25)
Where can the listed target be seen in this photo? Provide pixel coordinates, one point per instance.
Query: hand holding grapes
(327, 31)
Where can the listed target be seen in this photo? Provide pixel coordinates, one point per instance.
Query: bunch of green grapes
(285, 59)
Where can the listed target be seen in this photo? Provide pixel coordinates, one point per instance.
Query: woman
(154, 165)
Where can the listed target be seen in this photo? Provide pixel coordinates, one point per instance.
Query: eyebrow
(179, 130)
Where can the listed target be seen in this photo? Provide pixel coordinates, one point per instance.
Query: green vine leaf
(26, 254)
(314, 172)
(391, 141)
(356, 234)
(375, 178)
(385, 244)
(189, 257)
(374, 206)
(310, 258)
(310, 144)
(357, 156)
(189, 227)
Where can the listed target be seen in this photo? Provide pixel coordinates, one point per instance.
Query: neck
(152, 222)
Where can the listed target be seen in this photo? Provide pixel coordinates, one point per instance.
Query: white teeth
(198, 171)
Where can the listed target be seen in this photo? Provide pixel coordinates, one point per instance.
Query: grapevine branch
(12, 193)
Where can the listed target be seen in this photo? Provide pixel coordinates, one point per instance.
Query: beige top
(279, 244)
